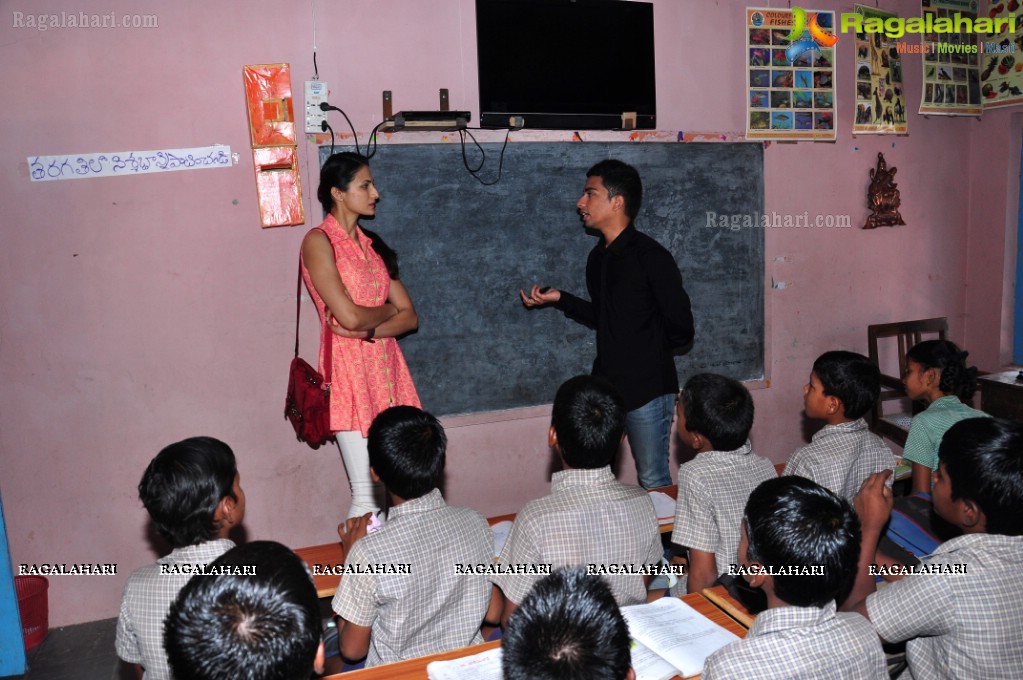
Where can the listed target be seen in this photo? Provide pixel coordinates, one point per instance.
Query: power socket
(315, 93)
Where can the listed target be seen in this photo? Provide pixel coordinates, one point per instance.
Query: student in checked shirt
(843, 387)
(589, 517)
(194, 496)
(793, 523)
(960, 614)
(429, 607)
(715, 415)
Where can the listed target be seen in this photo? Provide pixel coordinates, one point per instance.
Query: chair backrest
(907, 334)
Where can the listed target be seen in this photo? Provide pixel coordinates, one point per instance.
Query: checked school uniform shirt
(712, 492)
(588, 518)
(433, 608)
(958, 625)
(840, 457)
(802, 643)
(147, 599)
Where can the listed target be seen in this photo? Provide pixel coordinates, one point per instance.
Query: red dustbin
(34, 607)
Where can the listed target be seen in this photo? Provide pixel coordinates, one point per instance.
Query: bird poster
(880, 99)
(951, 58)
(790, 74)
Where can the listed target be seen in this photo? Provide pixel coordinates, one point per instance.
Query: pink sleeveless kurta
(368, 377)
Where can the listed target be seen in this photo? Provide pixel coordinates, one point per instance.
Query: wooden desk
(326, 555)
(719, 596)
(415, 669)
(1001, 395)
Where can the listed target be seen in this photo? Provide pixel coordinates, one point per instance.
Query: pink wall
(140, 310)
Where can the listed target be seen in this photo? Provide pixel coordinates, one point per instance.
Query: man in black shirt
(638, 307)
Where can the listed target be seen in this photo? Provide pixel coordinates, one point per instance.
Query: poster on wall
(1001, 69)
(790, 74)
(951, 59)
(880, 100)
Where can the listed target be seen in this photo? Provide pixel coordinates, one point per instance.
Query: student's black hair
(719, 408)
(983, 458)
(263, 625)
(795, 522)
(183, 485)
(589, 418)
(956, 377)
(853, 378)
(406, 449)
(568, 627)
(338, 171)
(620, 179)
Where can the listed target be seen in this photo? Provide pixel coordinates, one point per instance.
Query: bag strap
(325, 333)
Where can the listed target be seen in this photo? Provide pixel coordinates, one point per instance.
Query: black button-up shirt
(641, 313)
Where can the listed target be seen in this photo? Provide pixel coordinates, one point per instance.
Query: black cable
(324, 106)
(373, 140)
(316, 69)
(324, 125)
(500, 165)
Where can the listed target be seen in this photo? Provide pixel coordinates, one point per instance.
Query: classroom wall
(140, 310)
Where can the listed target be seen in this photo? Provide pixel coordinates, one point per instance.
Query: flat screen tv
(566, 64)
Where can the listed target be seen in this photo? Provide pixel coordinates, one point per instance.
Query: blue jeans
(648, 428)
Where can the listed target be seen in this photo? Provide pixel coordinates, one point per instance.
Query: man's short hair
(983, 458)
(852, 378)
(183, 485)
(232, 625)
(589, 418)
(568, 626)
(407, 448)
(620, 179)
(795, 522)
(719, 408)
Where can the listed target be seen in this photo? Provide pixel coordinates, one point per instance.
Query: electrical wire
(312, 9)
(373, 140)
(324, 106)
(465, 161)
(324, 125)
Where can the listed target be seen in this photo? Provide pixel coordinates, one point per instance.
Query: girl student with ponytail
(937, 374)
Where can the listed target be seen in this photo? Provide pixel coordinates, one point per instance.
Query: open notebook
(669, 638)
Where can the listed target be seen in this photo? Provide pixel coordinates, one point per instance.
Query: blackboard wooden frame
(466, 249)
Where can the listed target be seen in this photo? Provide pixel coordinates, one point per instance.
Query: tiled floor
(82, 652)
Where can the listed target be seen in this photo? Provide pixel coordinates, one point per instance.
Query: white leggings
(355, 455)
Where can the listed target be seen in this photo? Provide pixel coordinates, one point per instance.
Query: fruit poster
(880, 100)
(1001, 65)
(951, 62)
(790, 74)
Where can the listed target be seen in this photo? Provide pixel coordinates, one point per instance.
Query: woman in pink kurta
(358, 295)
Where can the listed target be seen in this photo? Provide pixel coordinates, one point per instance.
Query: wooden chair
(895, 426)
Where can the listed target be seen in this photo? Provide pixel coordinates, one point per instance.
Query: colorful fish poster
(951, 83)
(1001, 57)
(880, 100)
(790, 74)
